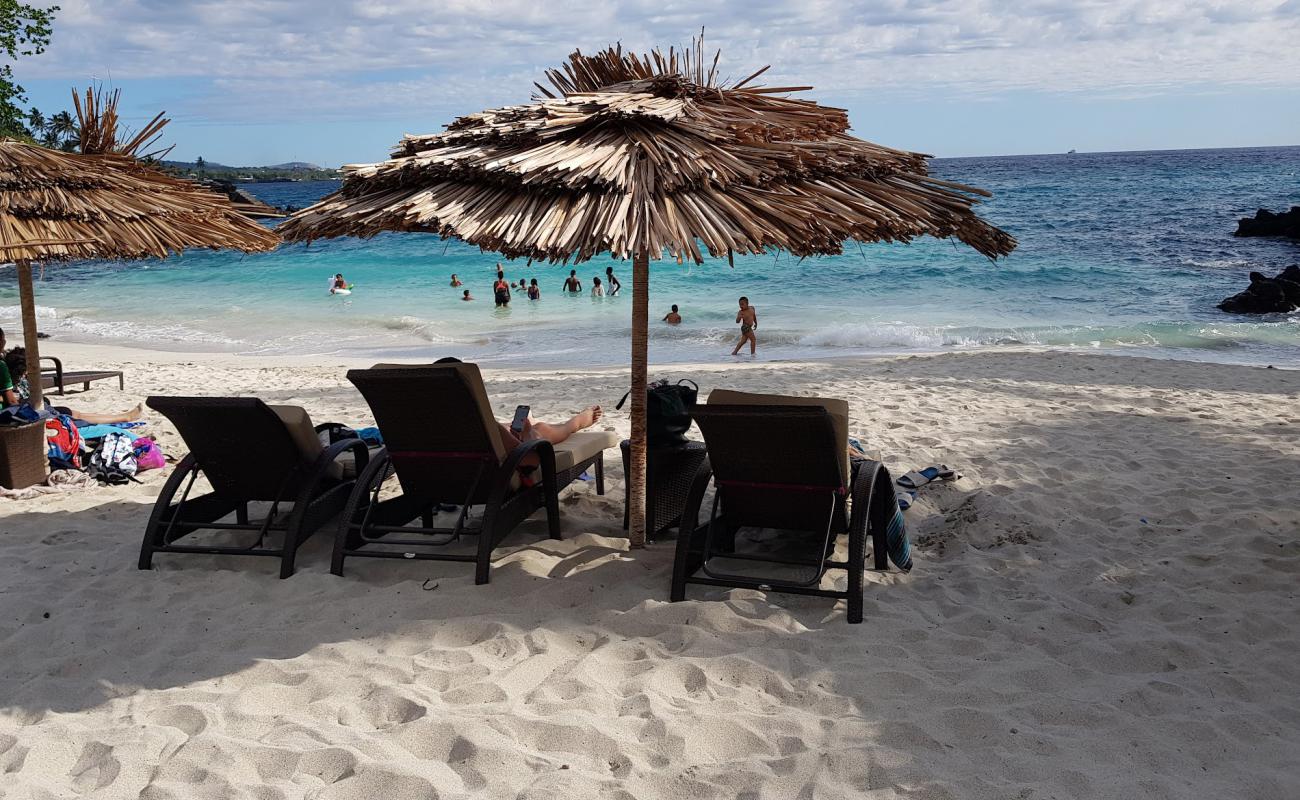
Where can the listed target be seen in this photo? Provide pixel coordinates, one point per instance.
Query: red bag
(63, 442)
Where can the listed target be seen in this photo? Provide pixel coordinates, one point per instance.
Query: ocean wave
(885, 335)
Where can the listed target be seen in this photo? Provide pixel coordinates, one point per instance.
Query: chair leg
(600, 474)
(288, 556)
(857, 566)
(553, 512)
(681, 562)
(487, 537)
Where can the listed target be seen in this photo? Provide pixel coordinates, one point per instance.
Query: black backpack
(668, 411)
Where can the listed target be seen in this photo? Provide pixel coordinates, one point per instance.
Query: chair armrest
(545, 454)
(872, 475)
(58, 366)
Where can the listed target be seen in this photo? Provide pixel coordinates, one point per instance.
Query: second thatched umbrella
(103, 203)
(642, 156)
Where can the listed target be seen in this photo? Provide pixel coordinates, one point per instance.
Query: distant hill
(297, 165)
(289, 171)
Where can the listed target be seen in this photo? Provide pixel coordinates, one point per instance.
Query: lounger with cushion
(781, 474)
(248, 452)
(445, 449)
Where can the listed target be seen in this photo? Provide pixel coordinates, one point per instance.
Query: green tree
(36, 121)
(24, 31)
(65, 131)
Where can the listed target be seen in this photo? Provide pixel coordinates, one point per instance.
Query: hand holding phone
(521, 416)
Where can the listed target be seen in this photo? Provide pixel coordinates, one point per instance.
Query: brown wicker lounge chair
(780, 464)
(248, 452)
(58, 379)
(445, 448)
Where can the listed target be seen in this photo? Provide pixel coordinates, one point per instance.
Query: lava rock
(1266, 223)
(1277, 295)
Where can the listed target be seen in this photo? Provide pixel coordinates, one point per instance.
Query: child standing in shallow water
(748, 319)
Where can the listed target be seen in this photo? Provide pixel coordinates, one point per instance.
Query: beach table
(669, 474)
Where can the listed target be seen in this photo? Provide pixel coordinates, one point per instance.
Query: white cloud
(295, 59)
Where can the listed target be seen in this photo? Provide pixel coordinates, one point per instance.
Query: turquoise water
(1120, 252)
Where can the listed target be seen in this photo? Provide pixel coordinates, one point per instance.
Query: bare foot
(589, 417)
(134, 414)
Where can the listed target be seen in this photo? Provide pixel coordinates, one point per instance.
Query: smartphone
(521, 416)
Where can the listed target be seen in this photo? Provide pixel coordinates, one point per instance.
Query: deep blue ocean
(1119, 252)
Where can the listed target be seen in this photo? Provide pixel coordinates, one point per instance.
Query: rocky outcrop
(1277, 295)
(1266, 223)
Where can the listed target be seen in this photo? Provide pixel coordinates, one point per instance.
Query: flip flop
(917, 478)
(904, 499)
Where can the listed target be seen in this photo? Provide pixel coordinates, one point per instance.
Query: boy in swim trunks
(748, 319)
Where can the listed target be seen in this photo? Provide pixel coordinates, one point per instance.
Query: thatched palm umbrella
(642, 156)
(103, 203)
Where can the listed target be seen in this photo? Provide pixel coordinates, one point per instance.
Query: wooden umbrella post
(636, 532)
(27, 297)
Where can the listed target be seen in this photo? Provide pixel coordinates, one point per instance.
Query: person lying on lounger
(15, 362)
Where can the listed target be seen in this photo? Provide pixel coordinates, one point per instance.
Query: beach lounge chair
(445, 448)
(781, 464)
(249, 452)
(57, 378)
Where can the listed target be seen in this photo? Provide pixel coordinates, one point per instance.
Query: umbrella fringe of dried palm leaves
(98, 121)
(60, 206)
(628, 154)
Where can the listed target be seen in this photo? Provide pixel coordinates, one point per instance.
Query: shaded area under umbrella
(642, 156)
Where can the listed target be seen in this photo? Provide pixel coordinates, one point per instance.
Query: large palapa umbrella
(103, 203)
(642, 156)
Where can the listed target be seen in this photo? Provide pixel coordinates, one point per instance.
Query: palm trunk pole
(28, 300)
(636, 474)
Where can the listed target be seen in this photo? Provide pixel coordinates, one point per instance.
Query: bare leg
(109, 419)
(556, 434)
(753, 343)
(739, 345)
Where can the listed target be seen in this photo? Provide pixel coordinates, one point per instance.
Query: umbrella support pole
(27, 298)
(636, 532)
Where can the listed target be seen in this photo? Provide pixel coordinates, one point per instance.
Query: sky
(251, 82)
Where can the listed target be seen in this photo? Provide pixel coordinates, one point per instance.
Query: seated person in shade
(672, 317)
(15, 364)
(534, 291)
(456, 281)
(466, 296)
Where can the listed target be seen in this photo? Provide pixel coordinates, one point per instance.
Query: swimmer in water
(534, 291)
(571, 283)
(338, 283)
(672, 317)
(596, 289)
(456, 281)
(614, 285)
(466, 296)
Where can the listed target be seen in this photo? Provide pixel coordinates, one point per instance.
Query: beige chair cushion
(838, 409)
(581, 446)
(298, 423)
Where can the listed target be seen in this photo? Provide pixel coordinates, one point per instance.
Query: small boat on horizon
(1069, 152)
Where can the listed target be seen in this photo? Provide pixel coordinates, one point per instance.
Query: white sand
(1104, 606)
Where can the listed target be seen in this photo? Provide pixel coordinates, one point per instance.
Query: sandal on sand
(917, 478)
(905, 499)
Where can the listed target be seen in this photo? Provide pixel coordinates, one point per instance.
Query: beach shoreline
(1083, 619)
